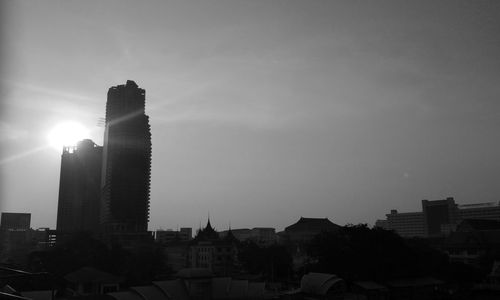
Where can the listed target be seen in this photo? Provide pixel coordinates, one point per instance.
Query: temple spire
(208, 222)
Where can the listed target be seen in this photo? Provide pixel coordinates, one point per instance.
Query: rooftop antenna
(101, 122)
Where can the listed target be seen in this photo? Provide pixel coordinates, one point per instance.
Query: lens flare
(66, 134)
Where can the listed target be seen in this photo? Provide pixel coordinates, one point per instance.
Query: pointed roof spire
(208, 222)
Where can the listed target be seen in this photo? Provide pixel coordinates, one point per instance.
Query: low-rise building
(262, 236)
(176, 255)
(208, 250)
(167, 236)
(473, 239)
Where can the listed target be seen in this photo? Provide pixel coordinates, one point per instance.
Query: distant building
(439, 213)
(207, 250)
(296, 237)
(15, 221)
(43, 238)
(488, 211)
(382, 224)
(176, 255)
(406, 224)
(79, 188)
(263, 236)
(17, 239)
(126, 164)
(242, 234)
(14, 236)
(305, 229)
(473, 239)
(168, 236)
(437, 218)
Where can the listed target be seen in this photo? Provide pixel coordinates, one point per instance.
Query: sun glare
(66, 134)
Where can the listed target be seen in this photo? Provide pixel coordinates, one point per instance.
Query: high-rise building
(410, 224)
(126, 165)
(438, 217)
(80, 188)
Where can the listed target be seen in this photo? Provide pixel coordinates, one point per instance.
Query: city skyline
(262, 112)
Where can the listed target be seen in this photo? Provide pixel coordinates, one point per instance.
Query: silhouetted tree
(358, 252)
(273, 262)
(78, 251)
(141, 266)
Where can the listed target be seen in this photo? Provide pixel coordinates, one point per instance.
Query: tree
(273, 262)
(357, 252)
(140, 266)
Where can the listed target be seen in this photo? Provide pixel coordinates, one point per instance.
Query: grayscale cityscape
(244, 150)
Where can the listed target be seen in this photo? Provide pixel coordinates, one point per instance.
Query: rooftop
(316, 224)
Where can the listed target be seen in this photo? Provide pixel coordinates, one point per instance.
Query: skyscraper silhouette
(79, 188)
(126, 165)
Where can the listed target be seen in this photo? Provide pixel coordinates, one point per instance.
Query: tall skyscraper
(80, 188)
(126, 167)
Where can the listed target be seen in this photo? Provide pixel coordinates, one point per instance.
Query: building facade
(305, 229)
(406, 224)
(485, 211)
(79, 189)
(126, 166)
(17, 239)
(15, 221)
(472, 240)
(168, 236)
(262, 236)
(439, 216)
(209, 251)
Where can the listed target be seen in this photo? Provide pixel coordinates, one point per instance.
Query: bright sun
(66, 134)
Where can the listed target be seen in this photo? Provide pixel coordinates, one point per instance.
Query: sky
(261, 111)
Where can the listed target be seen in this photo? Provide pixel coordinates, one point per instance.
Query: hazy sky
(262, 111)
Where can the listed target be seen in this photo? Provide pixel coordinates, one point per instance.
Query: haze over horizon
(262, 111)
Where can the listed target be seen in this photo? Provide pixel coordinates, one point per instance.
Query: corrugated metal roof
(195, 273)
(127, 295)
(38, 295)
(89, 274)
(150, 292)
(370, 285)
(318, 283)
(413, 282)
(174, 289)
